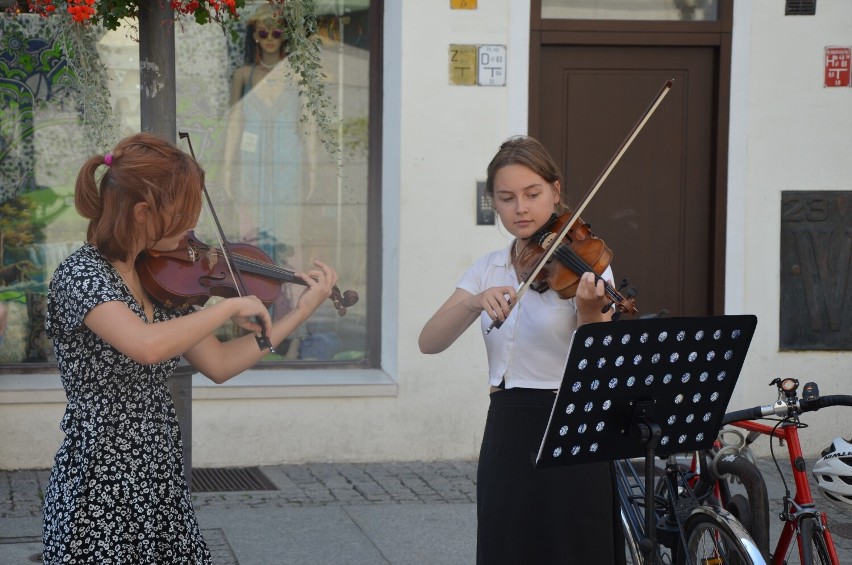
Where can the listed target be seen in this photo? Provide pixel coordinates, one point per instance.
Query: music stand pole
(648, 544)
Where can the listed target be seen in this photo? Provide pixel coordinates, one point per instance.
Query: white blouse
(531, 347)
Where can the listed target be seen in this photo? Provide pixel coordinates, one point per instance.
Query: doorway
(662, 209)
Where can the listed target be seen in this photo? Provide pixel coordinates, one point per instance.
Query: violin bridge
(547, 239)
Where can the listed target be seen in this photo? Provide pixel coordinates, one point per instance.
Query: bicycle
(679, 529)
(802, 519)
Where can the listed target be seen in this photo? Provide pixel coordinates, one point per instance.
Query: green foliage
(90, 77)
(305, 55)
(355, 133)
(17, 227)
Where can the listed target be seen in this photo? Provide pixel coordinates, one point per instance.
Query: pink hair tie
(108, 159)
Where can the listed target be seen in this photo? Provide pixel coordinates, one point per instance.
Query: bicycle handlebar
(781, 408)
(748, 414)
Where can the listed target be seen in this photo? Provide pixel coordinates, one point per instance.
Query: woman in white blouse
(527, 515)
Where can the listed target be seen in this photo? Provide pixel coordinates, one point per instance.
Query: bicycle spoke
(713, 539)
(710, 549)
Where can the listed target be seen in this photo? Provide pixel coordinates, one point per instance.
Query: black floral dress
(117, 493)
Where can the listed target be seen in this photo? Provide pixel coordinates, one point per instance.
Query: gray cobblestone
(363, 484)
(316, 484)
(311, 485)
(323, 484)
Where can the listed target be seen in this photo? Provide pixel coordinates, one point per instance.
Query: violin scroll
(343, 301)
(626, 306)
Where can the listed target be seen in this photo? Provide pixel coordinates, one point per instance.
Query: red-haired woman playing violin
(117, 492)
(559, 515)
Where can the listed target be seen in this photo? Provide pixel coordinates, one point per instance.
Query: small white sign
(492, 65)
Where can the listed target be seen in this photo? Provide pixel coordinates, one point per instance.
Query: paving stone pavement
(410, 492)
(330, 513)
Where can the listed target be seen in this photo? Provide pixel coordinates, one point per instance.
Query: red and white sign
(837, 60)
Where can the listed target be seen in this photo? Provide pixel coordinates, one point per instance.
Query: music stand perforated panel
(679, 373)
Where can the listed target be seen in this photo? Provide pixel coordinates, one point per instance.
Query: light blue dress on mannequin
(270, 165)
(269, 170)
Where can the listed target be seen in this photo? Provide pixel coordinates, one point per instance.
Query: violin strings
(263, 268)
(259, 267)
(573, 261)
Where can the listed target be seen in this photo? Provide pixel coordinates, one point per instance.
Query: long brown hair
(529, 152)
(142, 168)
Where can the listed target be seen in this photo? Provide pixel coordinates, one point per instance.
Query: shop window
(280, 180)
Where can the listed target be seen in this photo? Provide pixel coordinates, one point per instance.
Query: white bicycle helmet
(833, 471)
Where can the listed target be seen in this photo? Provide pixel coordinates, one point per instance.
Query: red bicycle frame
(789, 432)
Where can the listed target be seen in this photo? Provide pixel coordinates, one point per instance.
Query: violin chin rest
(540, 286)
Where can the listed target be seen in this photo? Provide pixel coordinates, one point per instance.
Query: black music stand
(645, 387)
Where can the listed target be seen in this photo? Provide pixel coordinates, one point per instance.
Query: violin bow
(262, 340)
(613, 161)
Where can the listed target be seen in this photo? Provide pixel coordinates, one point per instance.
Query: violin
(580, 251)
(195, 271)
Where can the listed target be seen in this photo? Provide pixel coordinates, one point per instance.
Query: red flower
(85, 10)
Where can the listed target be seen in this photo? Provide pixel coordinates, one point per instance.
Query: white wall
(788, 133)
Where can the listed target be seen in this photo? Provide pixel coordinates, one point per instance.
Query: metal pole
(158, 103)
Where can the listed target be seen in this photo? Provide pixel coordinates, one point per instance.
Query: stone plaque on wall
(816, 286)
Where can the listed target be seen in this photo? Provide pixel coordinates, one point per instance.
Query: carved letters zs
(816, 259)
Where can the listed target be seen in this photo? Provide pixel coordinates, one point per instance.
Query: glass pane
(279, 180)
(697, 10)
(42, 145)
(274, 182)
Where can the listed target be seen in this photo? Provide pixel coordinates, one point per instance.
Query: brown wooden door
(656, 210)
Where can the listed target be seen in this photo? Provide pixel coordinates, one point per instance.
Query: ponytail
(142, 168)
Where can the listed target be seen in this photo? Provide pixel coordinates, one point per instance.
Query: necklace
(516, 260)
(517, 251)
(265, 66)
(139, 297)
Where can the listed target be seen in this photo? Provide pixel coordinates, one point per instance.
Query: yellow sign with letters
(463, 64)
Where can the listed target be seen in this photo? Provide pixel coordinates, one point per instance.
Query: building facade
(396, 208)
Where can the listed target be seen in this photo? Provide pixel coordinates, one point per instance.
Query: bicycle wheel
(714, 537)
(812, 543)
(631, 543)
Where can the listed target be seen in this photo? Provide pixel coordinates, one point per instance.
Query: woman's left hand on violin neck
(591, 300)
(320, 282)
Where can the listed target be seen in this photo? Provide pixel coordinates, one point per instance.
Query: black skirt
(564, 515)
